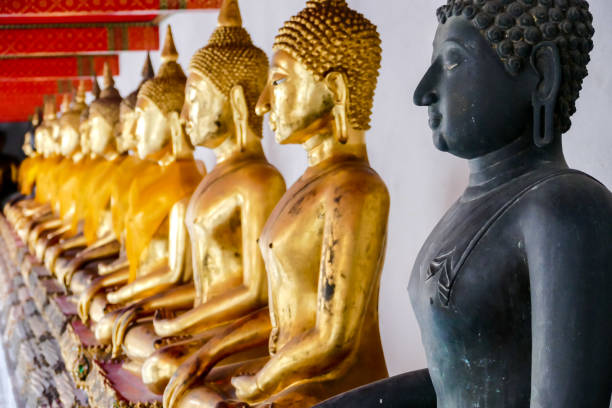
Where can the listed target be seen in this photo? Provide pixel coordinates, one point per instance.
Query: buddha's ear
(240, 113)
(337, 83)
(546, 61)
(181, 148)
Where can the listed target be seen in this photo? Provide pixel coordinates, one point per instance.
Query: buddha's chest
(292, 238)
(214, 221)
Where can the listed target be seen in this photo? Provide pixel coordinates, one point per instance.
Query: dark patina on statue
(513, 288)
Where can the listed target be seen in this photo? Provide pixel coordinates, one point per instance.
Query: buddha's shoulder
(356, 179)
(257, 173)
(568, 198)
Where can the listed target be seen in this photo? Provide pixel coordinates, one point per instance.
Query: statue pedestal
(56, 358)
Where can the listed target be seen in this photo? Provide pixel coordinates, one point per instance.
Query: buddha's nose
(263, 104)
(425, 94)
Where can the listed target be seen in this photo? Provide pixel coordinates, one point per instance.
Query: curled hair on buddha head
(107, 105)
(515, 27)
(167, 89)
(231, 59)
(72, 117)
(328, 36)
(128, 104)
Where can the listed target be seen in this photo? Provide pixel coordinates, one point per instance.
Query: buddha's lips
(435, 119)
(272, 122)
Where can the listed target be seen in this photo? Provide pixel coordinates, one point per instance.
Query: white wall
(423, 182)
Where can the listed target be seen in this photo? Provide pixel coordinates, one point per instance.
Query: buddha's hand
(85, 301)
(247, 388)
(70, 270)
(197, 366)
(164, 326)
(125, 320)
(121, 295)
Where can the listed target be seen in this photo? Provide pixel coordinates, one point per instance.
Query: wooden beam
(77, 38)
(76, 66)
(18, 99)
(54, 7)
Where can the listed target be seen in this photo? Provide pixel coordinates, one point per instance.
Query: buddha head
(505, 70)
(84, 127)
(225, 80)
(323, 73)
(104, 117)
(71, 121)
(159, 132)
(29, 144)
(47, 134)
(127, 115)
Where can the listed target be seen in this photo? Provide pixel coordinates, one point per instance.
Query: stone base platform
(57, 360)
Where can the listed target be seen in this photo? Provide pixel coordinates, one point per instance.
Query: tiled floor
(6, 399)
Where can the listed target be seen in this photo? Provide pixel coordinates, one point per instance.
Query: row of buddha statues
(225, 288)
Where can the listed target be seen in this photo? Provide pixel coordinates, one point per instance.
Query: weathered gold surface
(156, 238)
(323, 245)
(228, 210)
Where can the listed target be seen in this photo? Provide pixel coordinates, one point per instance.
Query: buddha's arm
(178, 298)
(246, 333)
(120, 263)
(101, 249)
(117, 278)
(568, 240)
(37, 210)
(351, 258)
(162, 278)
(236, 301)
(74, 242)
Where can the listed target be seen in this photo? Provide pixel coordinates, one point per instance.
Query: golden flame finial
(80, 93)
(229, 16)
(65, 103)
(169, 52)
(109, 82)
(49, 107)
(147, 69)
(96, 88)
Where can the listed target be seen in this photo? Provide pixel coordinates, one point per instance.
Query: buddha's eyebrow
(456, 42)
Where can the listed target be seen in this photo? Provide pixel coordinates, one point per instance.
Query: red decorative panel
(56, 67)
(76, 19)
(43, 7)
(69, 39)
(19, 99)
(39, 88)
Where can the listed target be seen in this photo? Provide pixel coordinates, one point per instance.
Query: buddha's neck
(323, 146)
(511, 161)
(229, 150)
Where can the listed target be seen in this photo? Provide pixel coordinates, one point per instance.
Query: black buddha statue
(512, 289)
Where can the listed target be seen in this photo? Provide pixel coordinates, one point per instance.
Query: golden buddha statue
(46, 135)
(75, 142)
(324, 243)
(27, 171)
(116, 190)
(228, 210)
(93, 205)
(156, 238)
(50, 232)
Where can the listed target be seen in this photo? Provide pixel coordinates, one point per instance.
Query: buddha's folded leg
(218, 387)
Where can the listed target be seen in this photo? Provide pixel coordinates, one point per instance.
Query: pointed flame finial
(109, 82)
(229, 15)
(49, 107)
(80, 93)
(169, 52)
(65, 103)
(96, 88)
(147, 69)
